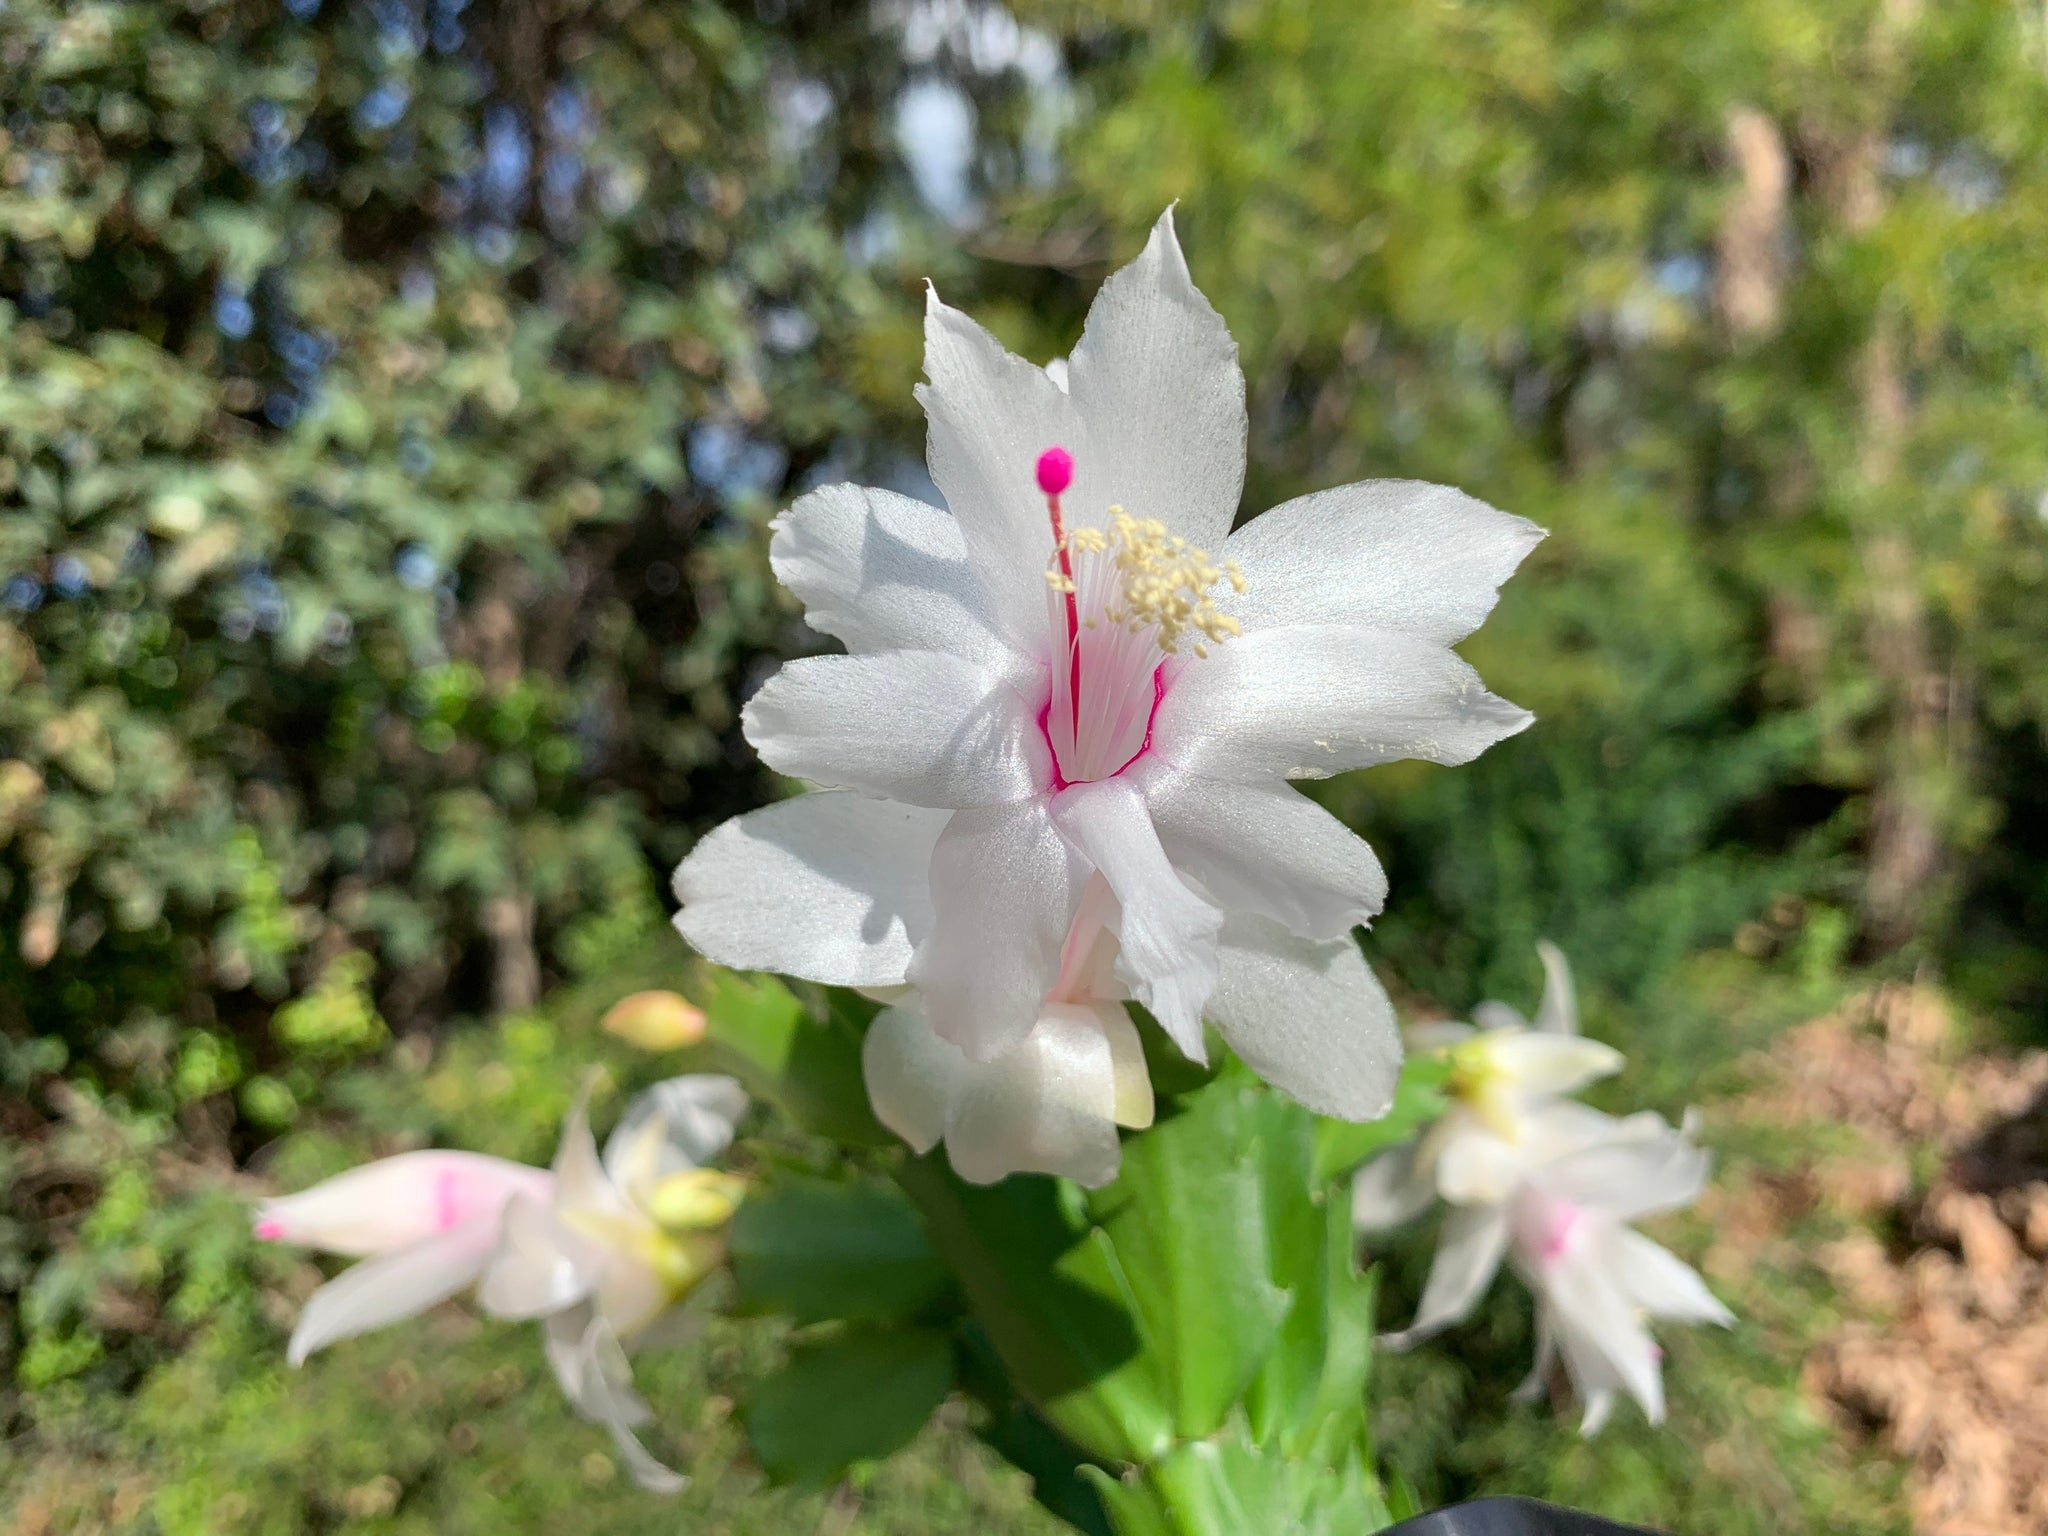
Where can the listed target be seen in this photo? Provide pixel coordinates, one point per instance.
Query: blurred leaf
(858, 1396)
(819, 1251)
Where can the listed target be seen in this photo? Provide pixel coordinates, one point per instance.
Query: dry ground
(1942, 1351)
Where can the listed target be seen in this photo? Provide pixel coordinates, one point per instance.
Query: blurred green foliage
(393, 396)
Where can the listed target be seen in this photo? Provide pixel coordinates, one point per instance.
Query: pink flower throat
(1098, 717)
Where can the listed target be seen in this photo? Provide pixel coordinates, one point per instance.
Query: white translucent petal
(1309, 700)
(1662, 1284)
(1548, 1066)
(919, 727)
(910, 1074)
(1308, 1017)
(561, 1338)
(581, 1182)
(1599, 1408)
(397, 1201)
(692, 1118)
(1264, 848)
(1634, 1175)
(882, 572)
(1558, 1013)
(540, 1265)
(1156, 378)
(1423, 560)
(1468, 1255)
(1166, 933)
(835, 888)
(608, 1397)
(1474, 1164)
(392, 1286)
(1391, 1189)
(991, 415)
(1004, 884)
(1048, 1106)
(1604, 1345)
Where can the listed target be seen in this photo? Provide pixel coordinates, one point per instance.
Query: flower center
(1549, 1227)
(1121, 601)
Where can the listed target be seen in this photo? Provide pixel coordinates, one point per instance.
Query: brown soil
(1944, 1280)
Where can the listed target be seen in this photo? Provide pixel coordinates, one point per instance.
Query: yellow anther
(696, 1199)
(1163, 583)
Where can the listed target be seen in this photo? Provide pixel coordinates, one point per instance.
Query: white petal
(561, 1339)
(991, 415)
(1047, 1106)
(1468, 1254)
(392, 1286)
(1310, 1018)
(1390, 1189)
(910, 1074)
(1133, 1106)
(398, 1201)
(920, 727)
(1264, 848)
(882, 572)
(835, 888)
(1166, 933)
(1599, 1408)
(1548, 1066)
(1004, 884)
(692, 1117)
(1564, 1126)
(1310, 700)
(581, 1183)
(540, 1265)
(1632, 1177)
(1532, 1386)
(1403, 555)
(1604, 1345)
(1473, 1164)
(1558, 1013)
(609, 1398)
(1156, 378)
(1662, 1284)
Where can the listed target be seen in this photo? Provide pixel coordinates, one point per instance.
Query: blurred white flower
(597, 1249)
(1564, 1228)
(1550, 1185)
(1509, 1105)
(1053, 685)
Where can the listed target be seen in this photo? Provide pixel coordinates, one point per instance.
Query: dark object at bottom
(1510, 1517)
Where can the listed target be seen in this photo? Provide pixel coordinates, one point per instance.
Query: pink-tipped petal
(395, 1202)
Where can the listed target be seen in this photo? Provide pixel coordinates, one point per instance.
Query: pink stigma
(269, 1230)
(1055, 470)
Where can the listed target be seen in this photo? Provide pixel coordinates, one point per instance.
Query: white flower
(1053, 685)
(1049, 1105)
(597, 1249)
(1564, 1227)
(1508, 1105)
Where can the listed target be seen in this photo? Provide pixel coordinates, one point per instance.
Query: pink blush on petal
(447, 1199)
(269, 1230)
(1561, 1222)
